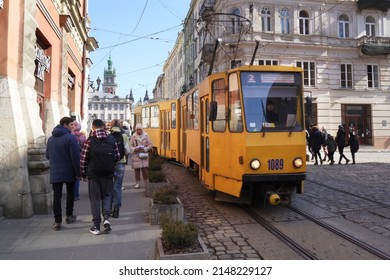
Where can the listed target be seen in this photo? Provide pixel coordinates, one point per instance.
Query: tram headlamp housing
(298, 162)
(255, 164)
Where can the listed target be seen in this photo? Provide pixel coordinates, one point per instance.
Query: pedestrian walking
(340, 139)
(97, 162)
(140, 145)
(331, 147)
(353, 144)
(324, 134)
(80, 137)
(63, 154)
(316, 143)
(122, 140)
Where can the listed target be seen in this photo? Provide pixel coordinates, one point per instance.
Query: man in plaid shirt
(99, 185)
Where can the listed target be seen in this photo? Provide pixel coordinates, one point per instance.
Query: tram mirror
(213, 110)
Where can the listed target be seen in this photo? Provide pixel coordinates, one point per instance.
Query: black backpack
(102, 156)
(119, 141)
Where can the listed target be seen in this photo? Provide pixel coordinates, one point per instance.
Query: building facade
(43, 69)
(343, 47)
(105, 104)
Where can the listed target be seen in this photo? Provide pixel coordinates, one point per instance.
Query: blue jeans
(77, 189)
(116, 197)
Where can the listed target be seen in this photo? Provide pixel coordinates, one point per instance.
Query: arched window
(303, 23)
(266, 20)
(343, 26)
(370, 26)
(235, 21)
(285, 21)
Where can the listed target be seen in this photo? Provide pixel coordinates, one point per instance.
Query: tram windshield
(272, 101)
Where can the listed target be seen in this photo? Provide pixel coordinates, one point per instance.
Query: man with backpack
(122, 141)
(97, 162)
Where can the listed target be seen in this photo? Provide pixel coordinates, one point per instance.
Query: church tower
(109, 83)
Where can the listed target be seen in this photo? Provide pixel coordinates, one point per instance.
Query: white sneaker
(136, 186)
(123, 188)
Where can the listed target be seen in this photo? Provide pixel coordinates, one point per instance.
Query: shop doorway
(357, 118)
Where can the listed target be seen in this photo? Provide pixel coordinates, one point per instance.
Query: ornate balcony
(383, 5)
(207, 8)
(374, 45)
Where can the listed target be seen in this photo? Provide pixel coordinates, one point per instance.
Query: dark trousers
(341, 152)
(57, 209)
(100, 189)
(331, 157)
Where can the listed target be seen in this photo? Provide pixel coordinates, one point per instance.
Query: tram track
(300, 250)
(375, 251)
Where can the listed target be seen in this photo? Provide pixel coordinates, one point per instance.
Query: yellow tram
(241, 130)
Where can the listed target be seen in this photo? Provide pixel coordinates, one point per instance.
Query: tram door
(165, 133)
(204, 138)
(183, 136)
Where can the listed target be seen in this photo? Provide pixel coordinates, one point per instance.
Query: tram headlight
(298, 162)
(255, 164)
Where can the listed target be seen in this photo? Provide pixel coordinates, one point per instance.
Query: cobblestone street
(230, 233)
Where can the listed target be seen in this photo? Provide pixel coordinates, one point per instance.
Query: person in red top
(100, 184)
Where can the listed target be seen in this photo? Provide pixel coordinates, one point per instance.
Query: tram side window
(218, 92)
(145, 117)
(154, 114)
(195, 110)
(173, 117)
(235, 113)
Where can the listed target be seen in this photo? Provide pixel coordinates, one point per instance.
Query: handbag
(143, 155)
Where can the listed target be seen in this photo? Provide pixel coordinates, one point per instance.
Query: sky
(138, 34)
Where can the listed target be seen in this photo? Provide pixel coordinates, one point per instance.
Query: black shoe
(107, 226)
(347, 161)
(56, 226)
(94, 230)
(115, 213)
(71, 219)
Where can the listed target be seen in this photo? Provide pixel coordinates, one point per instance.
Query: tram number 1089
(275, 164)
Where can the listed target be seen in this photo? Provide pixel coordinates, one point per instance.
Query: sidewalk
(131, 238)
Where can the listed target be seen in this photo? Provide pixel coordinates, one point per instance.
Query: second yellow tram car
(224, 130)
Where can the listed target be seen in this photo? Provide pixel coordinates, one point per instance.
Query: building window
(122, 117)
(102, 116)
(370, 26)
(109, 117)
(303, 23)
(115, 106)
(96, 106)
(373, 76)
(121, 107)
(309, 79)
(101, 106)
(235, 64)
(343, 26)
(346, 75)
(89, 106)
(109, 106)
(266, 20)
(235, 21)
(268, 62)
(285, 21)
(115, 116)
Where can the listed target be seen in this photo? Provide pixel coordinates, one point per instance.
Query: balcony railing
(207, 8)
(207, 52)
(374, 45)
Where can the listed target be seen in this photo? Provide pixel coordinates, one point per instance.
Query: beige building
(43, 77)
(343, 47)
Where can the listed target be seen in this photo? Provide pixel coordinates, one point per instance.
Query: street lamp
(98, 81)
